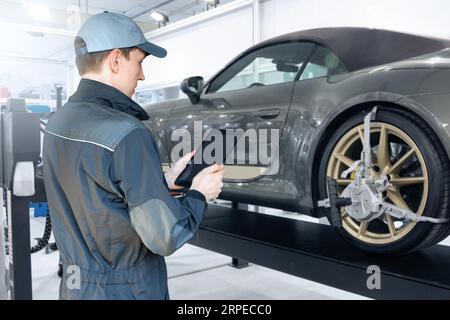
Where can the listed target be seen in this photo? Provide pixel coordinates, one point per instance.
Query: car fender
(313, 139)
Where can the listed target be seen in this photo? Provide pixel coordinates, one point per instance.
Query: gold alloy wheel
(407, 189)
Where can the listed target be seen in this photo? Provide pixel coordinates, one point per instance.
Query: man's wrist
(196, 194)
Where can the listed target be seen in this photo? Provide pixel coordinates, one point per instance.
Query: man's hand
(209, 181)
(175, 170)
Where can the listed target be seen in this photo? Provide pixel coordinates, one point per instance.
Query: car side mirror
(193, 88)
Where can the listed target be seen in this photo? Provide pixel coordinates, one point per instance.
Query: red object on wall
(4, 92)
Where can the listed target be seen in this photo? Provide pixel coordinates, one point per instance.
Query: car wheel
(409, 154)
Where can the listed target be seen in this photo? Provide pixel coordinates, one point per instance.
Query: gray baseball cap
(109, 30)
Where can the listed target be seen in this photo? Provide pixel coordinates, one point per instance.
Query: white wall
(204, 47)
(73, 78)
(415, 16)
(199, 49)
(20, 75)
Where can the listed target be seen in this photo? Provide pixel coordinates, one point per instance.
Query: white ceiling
(29, 42)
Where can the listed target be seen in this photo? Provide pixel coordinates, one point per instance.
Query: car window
(323, 63)
(269, 65)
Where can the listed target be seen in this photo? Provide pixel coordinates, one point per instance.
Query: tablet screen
(211, 152)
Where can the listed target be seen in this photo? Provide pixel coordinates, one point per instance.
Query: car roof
(360, 48)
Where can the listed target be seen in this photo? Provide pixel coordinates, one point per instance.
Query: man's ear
(114, 60)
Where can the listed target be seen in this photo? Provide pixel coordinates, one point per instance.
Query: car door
(252, 94)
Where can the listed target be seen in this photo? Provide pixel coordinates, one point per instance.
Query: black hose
(42, 242)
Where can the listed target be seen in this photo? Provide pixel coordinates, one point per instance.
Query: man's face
(130, 71)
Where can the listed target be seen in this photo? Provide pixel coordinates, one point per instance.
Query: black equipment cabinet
(19, 142)
(315, 252)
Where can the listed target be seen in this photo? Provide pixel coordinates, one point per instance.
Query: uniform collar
(104, 94)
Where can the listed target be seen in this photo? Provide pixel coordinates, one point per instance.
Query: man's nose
(142, 76)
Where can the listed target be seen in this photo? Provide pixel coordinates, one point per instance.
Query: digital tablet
(192, 169)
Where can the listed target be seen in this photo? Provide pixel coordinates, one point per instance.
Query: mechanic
(113, 215)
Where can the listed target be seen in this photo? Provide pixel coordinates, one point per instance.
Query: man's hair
(91, 62)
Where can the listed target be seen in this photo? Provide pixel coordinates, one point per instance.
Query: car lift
(313, 251)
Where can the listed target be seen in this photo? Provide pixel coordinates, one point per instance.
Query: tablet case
(192, 169)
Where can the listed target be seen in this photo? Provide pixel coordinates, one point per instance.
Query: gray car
(315, 88)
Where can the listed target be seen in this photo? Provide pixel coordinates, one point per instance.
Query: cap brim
(153, 49)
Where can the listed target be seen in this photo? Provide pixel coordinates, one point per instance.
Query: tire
(428, 163)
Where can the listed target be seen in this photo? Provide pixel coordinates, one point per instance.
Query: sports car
(315, 87)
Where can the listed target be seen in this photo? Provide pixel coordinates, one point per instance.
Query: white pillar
(256, 21)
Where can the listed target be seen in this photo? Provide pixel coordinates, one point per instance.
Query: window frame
(316, 47)
(242, 56)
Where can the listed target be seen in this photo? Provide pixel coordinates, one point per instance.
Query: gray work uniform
(112, 214)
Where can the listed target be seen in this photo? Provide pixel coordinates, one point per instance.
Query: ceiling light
(212, 3)
(160, 17)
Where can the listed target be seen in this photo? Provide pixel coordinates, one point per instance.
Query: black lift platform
(315, 252)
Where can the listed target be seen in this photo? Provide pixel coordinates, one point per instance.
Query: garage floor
(195, 273)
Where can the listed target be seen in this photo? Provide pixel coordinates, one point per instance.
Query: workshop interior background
(37, 59)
